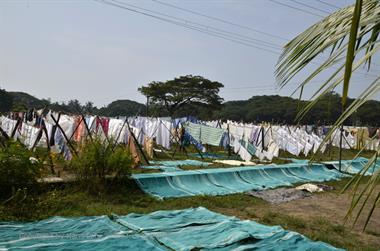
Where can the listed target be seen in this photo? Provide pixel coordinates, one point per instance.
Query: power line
(220, 20)
(205, 31)
(328, 4)
(198, 26)
(296, 8)
(243, 37)
(310, 6)
(185, 25)
(232, 23)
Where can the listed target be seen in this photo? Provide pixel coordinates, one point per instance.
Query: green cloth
(205, 134)
(187, 229)
(250, 148)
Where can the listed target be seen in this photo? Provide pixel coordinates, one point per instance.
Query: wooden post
(48, 148)
(262, 139)
(118, 136)
(15, 129)
(37, 139)
(76, 128)
(64, 135)
(51, 141)
(87, 129)
(138, 145)
(229, 140)
(340, 148)
(5, 135)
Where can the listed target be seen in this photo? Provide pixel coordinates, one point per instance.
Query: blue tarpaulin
(231, 180)
(354, 166)
(188, 229)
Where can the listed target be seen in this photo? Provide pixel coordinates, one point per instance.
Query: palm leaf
(353, 30)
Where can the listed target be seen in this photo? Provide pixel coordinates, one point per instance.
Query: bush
(19, 170)
(97, 161)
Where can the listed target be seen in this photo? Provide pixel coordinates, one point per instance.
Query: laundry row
(263, 141)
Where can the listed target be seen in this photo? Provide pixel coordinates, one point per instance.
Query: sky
(91, 51)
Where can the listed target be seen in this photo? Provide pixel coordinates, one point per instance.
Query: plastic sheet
(354, 166)
(188, 229)
(231, 180)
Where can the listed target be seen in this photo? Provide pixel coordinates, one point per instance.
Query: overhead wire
(209, 30)
(237, 38)
(221, 20)
(208, 27)
(228, 22)
(328, 4)
(310, 6)
(296, 8)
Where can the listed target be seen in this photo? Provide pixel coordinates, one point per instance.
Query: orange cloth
(134, 153)
(148, 146)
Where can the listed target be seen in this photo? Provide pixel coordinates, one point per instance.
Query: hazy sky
(86, 50)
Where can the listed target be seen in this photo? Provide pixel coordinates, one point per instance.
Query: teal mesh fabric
(83, 233)
(188, 229)
(201, 229)
(231, 180)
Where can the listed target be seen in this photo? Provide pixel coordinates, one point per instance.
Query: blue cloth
(188, 139)
(178, 121)
(187, 229)
(231, 180)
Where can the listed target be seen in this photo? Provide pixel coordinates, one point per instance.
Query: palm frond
(328, 33)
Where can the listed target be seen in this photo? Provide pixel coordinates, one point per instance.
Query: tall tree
(74, 106)
(194, 91)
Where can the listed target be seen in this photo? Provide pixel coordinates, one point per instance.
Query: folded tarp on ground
(215, 156)
(188, 229)
(231, 180)
(187, 162)
(298, 161)
(354, 166)
(174, 165)
(163, 168)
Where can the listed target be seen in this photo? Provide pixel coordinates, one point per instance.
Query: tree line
(196, 96)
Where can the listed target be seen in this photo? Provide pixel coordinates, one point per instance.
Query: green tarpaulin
(231, 180)
(188, 229)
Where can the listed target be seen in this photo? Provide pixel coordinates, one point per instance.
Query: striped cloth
(205, 134)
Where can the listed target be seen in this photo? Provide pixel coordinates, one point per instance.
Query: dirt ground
(334, 207)
(320, 217)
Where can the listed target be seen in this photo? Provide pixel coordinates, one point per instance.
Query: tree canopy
(184, 91)
(6, 101)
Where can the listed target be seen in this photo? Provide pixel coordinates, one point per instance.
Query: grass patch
(70, 200)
